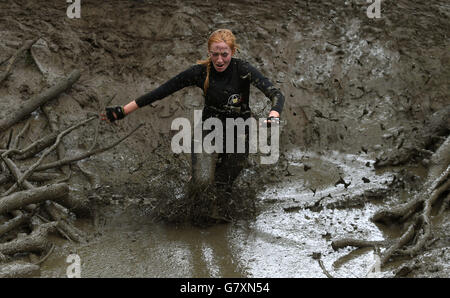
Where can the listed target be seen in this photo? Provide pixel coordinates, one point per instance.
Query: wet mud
(356, 88)
(281, 241)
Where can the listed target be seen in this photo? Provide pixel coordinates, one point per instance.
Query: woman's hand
(113, 113)
(275, 115)
(116, 113)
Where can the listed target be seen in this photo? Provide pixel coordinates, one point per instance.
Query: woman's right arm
(186, 78)
(130, 107)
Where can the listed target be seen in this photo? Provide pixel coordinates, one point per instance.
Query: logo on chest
(234, 100)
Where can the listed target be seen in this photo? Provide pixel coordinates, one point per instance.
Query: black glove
(272, 120)
(118, 110)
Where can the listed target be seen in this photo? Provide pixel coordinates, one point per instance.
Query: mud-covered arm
(186, 78)
(262, 83)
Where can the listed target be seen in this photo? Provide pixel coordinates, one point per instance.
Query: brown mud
(356, 89)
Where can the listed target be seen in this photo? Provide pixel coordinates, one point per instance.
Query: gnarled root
(417, 213)
(34, 242)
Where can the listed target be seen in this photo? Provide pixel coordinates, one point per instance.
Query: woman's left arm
(262, 83)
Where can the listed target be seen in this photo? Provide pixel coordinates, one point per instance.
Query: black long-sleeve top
(225, 88)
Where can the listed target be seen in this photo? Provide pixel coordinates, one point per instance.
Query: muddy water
(280, 242)
(326, 56)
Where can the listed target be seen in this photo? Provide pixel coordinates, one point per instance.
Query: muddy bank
(355, 88)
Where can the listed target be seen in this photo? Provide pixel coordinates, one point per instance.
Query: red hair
(220, 35)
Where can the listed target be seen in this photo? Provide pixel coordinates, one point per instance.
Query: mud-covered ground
(353, 86)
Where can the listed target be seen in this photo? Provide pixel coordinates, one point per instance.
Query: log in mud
(23, 111)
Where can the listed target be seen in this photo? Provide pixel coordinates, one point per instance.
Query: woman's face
(220, 54)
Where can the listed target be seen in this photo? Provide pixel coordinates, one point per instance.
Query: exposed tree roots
(416, 215)
(46, 207)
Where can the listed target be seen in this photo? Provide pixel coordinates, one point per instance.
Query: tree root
(94, 179)
(344, 242)
(318, 256)
(34, 242)
(60, 215)
(84, 155)
(36, 147)
(33, 103)
(17, 221)
(46, 256)
(418, 212)
(20, 199)
(53, 122)
(404, 239)
(18, 269)
(47, 152)
(25, 47)
(32, 200)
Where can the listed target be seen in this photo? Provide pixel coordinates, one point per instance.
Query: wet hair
(220, 35)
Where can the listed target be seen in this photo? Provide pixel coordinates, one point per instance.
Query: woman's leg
(203, 165)
(230, 164)
(228, 168)
(203, 168)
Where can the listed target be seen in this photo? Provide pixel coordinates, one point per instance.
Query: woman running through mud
(225, 81)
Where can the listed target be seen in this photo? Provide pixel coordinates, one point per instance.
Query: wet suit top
(228, 88)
